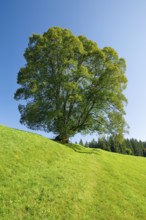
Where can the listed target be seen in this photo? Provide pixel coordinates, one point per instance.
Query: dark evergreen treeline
(129, 146)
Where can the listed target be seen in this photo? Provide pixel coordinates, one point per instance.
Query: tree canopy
(70, 85)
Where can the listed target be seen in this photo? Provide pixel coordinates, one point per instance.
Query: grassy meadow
(44, 180)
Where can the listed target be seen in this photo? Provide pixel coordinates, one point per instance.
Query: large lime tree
(69, 85)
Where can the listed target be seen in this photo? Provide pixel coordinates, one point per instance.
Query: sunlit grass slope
(41, 179)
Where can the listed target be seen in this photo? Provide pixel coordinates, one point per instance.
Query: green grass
(41, 179)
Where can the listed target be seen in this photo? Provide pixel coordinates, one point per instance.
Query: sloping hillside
(41, 179)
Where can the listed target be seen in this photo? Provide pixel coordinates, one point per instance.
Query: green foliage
(86, 144)
(93, 144)
(69, 85)
(81, 142)
(41, 179)
(114, 144)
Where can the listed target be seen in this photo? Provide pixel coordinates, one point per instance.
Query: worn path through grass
(41, 179)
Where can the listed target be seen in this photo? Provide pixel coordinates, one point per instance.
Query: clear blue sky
(120, 24)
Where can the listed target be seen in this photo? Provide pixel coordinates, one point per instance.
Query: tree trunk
(62, 139)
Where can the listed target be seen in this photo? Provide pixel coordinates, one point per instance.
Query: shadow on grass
(83, 150)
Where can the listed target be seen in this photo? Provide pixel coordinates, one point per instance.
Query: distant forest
(129, 146)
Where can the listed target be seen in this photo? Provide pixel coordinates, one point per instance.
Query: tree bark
(62, 139)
